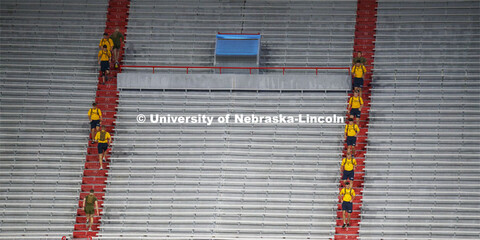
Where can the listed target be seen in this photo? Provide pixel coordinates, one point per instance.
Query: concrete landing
(330, 82)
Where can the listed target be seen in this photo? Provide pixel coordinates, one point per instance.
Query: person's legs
(355, 84)
(115, 54)
(346, 209)
(358, 85)
(354, 145)
(102, 71)
(87, 219)
(100, 154)
(115, 58)
(100, 157)
(105, 67)
(104, 155)
(103, 77)
(357, 116)
(354, 115)
(93, 125)
(347, 176)
(106, 76)
(91, 221)
(352, 177)
(349, 144)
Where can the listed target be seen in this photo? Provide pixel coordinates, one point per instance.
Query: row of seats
(47, 83)
(423, 155)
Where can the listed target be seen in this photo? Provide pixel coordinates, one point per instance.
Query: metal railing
(187, 68)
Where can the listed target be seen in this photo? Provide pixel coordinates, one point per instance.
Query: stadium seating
(47, 84)
(245, 181)
(224, 180)
(306, 33)
(423, 158)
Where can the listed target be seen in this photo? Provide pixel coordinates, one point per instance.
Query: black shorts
(351, 141)
(116, 46)
(357, 82)
(355, 112)
(348, 175)
(94, 124)
(102, 147)
(104, 66)
(347, 206)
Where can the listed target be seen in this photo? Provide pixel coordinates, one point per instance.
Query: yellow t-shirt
(358, 71)
(348, 165)
(348, 194)
(356, 102)
(95, 113)
(351, 130)
(107, 42)
(104, 55)
(107, 136)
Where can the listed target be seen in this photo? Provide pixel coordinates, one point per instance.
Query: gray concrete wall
(333, 82)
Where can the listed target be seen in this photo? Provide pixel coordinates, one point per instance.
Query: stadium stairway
(365, 42)
(106, 99)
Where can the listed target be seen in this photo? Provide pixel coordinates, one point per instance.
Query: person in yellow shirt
(95, 117)
(106, 41)
(104, 57)
(355, 105)
(351, 131)
(358, 70)
(348, 195)
(348, 168)
(104, 140)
